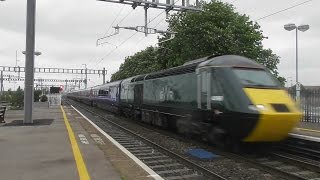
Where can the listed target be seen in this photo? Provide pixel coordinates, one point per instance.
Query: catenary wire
(117, 23)
(125, 16)
(126, 40)
(114, 20)
(291, 7)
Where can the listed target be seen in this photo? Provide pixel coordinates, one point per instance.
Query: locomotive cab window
(256, 78)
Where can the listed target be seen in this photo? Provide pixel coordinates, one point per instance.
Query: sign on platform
(54, 100)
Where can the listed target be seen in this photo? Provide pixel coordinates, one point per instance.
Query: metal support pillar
(104, 75)
(297, 80)
(86, 83)
(29, 63)
(1, 83)
(66, 86)
(146, 20)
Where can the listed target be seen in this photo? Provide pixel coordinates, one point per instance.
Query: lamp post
(85, 83)
(303, 28)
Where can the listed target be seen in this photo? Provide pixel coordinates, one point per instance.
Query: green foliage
(44, 98)
(18, 98)
(140, 63)
(36, 96)
(217, 30)
(6, 96)
(15, 98)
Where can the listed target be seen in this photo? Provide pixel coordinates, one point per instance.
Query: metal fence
(309, 103)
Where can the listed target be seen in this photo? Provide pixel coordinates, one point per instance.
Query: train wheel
(217, 136)
(183, 128)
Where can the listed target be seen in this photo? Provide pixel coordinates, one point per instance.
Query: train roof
(230, 61)
(114, 83)
(190, 66)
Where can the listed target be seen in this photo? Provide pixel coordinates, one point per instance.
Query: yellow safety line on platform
(81, 166)
(311, 130)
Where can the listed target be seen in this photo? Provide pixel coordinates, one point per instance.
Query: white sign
(97, 139)
(83, 139)
(54, 100)
(217, 98)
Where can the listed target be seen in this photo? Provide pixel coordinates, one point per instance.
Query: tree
(18, 98)
(218, 30)
(36, 96)
(140, 63)
(44, 98)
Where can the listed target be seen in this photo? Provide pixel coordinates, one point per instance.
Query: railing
(310, 104)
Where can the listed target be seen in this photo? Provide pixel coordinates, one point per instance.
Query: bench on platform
(2, 113)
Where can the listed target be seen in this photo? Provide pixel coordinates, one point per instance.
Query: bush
(44, 98)
(36, 96)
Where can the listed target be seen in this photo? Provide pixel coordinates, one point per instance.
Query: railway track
(163, 161)
(278, 165)
(303, 148)
(296, 159)
(287, 167)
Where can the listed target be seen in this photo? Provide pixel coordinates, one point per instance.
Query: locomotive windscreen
(256, 78)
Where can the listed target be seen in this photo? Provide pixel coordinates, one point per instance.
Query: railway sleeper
(147, 154)
(144, 148)
(142, 151)
(172, 168)
(170, 172)
(152, 162)
(165, 165)
(187, 176)
(153, 157)
(123, 137)
(135, 145)
(130, 143)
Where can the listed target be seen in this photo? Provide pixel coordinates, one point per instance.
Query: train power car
(226, 98)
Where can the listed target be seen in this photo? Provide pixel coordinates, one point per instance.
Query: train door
(138, 94)
(203, 88)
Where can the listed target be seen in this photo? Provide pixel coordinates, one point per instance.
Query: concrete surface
(43, 150)
(128, 169)
(308, 129)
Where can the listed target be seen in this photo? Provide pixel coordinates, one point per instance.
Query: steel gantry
(54, 70)
(170, 5)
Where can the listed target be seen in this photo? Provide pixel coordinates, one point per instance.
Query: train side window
(204, 89)
(204, 81)
(102, 93)
(217, 95)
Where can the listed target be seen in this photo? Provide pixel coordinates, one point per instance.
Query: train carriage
(221, 98)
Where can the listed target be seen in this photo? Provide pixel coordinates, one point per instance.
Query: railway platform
(308, 131)
(61, 144)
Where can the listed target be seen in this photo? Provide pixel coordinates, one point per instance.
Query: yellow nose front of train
(278, 114)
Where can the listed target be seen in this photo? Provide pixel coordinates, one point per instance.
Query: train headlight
(257, 107)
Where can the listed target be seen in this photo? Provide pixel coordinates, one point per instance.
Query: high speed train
(223, 98)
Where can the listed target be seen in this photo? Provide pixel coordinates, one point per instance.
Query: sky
(67, 31)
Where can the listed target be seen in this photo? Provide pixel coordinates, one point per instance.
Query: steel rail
(298, 162)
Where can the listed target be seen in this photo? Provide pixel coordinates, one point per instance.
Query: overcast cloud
(67, 30)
